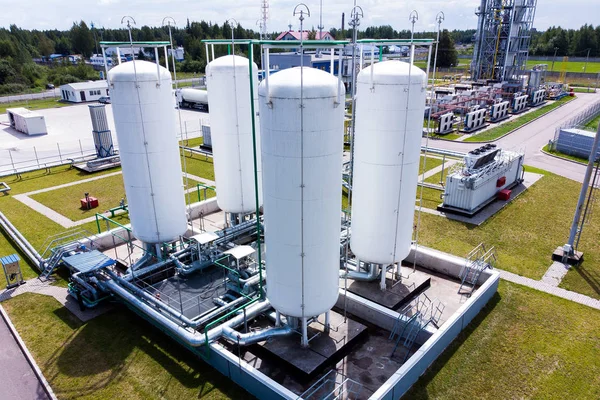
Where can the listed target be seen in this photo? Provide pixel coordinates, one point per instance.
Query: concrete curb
(509, 132)
(28, 356)
(561, 158)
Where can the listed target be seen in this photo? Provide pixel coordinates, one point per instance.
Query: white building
(84, 91)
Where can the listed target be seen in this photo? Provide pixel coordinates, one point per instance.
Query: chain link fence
(573, 137)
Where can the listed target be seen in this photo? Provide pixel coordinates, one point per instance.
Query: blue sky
(60, 14)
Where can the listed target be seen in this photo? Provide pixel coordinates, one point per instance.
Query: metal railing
(579, 120)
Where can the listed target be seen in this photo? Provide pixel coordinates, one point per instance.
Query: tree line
(19, 47)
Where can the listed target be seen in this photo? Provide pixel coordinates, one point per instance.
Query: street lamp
(554, 58)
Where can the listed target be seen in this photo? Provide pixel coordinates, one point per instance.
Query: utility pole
(554, 58)
(355, 16)
(586, 60)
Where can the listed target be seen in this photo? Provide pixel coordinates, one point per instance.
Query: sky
(60, 14)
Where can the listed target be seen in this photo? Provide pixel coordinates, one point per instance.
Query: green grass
(449, 136)
(523, 345)
(504, 128)
(194, 142)
(593, 124)
(36, 104)
(525, 233)
(547, 149)
(117, 355)
(572, 66)
(200, 165)
(583, 90)
(109, 191)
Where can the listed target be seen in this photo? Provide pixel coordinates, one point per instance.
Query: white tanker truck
(193, 98)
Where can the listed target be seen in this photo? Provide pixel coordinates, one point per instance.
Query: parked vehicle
(104, 100)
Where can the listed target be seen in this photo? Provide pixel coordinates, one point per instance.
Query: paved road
(17, 379)
(531, 138)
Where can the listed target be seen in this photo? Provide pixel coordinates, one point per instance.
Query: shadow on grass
(419, 389)
(105, 349)
(593, 280)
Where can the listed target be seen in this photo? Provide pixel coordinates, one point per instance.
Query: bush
(192, 66)
(12, 88)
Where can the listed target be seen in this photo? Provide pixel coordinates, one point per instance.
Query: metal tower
(502, 39)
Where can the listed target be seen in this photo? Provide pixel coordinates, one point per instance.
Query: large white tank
(147, 135)
(386, 160)
(302, 227)
(228, 85)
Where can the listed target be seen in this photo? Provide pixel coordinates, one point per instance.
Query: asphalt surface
(531, 138)
(17, 379)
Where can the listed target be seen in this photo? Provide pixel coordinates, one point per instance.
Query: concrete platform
(397, 292)
(324, 349)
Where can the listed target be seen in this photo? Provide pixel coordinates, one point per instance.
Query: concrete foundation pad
(482, 215)
(573, 259)
(397, 292)
(324, 348)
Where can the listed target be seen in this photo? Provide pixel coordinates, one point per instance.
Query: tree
(45, 46)
(141, 56)
(312, 34)
(82, 39)
(447, 55)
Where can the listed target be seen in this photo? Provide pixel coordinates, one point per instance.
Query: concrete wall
(406, 376)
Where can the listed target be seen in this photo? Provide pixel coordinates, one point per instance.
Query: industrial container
(301, 135)
(145, 123)
(576, 142)
(228, 84)
(389, 118)
(193, 98)
(26, 121)
(485, 173)
(102, 136)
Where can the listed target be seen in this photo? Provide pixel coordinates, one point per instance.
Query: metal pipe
(225, 307)
(77, 278)
(245, 339)
(357, 275)
(18, 234)
(190, 337)
(304, 342)
(382, 282)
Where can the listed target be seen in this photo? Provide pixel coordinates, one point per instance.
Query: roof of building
(88, 261)
(205, 237)
(87, 85)
(24, 112)
(239, 252)
(296, 35)
(9, 259)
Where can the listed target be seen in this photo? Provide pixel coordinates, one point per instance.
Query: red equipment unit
(501, 181)
(89, 202)
(504, 194)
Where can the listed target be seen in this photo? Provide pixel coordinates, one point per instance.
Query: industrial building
(81, 92)
(285, 289)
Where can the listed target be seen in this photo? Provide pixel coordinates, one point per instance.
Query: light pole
(554, 58)
(439, 18)
(586, 60)
(355, 16)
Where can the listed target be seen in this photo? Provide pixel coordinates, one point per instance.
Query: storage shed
(26, 121)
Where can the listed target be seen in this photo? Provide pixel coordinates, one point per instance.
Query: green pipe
(250, 58)
(228, 49)
(110, 220)
(380, 53)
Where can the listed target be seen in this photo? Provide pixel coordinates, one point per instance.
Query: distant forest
(19, 47)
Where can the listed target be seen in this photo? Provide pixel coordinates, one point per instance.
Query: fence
(29, 96)
(575, 143)
(48, 154)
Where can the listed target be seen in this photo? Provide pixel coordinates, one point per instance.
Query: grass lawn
(523, 345)
(584, 89)
(593, 124)
(36, 104)
(572, 66)
(117, 355)
(448, 136)
(504, 128)
(199, 165)
(525, 233)
(546, 148)
(194, 142)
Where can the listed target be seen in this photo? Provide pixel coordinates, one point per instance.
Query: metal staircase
(413, 319)
(478, 260)
(57, 246)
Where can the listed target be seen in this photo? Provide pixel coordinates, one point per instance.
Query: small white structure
(178, 52)
(83, 91)
(26, 121)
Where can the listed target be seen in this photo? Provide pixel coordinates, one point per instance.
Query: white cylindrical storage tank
(302, 161)
(228, 86)
(389, 121)
(145, 123)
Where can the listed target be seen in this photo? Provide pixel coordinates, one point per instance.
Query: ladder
(477, 261)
